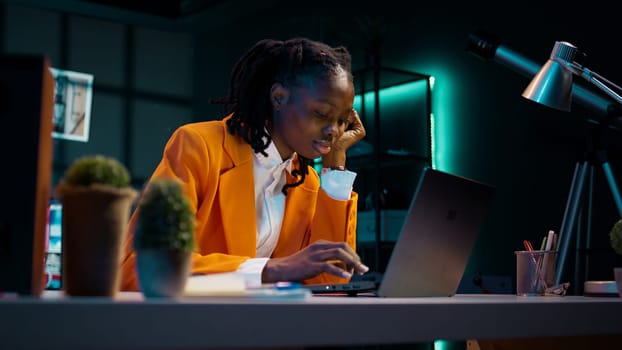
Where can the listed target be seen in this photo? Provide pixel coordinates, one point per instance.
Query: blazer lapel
(299, 207)
(237, 202)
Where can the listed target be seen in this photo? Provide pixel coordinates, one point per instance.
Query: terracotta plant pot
(162, 273)
(94, 225)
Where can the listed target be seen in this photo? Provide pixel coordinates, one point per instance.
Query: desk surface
(129, 322)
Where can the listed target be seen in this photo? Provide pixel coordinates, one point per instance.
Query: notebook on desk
(435, 242)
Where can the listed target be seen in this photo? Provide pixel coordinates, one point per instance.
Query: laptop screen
(53, 249)
(435, 241)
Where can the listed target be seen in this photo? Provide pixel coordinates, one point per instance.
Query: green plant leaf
(165, 219)
(97, 169)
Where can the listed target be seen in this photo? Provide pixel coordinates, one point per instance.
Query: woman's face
(309, 117)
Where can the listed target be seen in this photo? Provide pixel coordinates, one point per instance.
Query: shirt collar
(273, 160)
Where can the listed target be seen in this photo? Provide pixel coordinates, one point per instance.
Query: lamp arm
(596, 79)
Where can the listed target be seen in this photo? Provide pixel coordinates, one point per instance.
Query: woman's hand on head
(335, 258)
(354, 131)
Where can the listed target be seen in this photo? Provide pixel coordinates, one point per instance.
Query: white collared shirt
(269, 178)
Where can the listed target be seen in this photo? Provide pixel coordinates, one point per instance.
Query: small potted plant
(97, 197)
(163, 239)
(615, 238)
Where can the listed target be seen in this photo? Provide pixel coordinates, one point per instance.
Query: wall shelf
(395, 108)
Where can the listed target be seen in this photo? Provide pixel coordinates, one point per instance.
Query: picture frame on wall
(73, 96)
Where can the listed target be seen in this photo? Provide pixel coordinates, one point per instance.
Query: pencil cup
(535, 271)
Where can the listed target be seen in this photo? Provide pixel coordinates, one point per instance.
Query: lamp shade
(552, 86)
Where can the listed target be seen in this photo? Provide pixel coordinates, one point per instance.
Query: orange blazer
(216, 169)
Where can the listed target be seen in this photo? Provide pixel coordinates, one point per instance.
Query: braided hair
(267, 62)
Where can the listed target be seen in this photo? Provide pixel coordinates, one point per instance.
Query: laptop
(435, 241)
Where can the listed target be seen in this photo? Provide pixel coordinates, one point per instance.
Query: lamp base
(600, 289)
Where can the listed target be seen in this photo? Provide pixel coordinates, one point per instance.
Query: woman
(260, 207)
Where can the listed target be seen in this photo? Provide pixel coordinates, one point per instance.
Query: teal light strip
(445, 129)
(447, 345)
(432, 80)
(433, 141)
(392, 95)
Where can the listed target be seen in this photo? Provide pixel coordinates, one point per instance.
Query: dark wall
(528, 151)
(486, 130)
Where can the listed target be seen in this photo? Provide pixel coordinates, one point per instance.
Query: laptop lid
(437, 237)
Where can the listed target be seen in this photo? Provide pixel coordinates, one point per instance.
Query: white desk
(129, 322)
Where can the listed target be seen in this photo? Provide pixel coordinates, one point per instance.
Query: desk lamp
(552, 87)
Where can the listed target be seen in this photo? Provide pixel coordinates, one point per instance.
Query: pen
(529, 248)
(549, 240)
(545, 264)
(542, 245)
